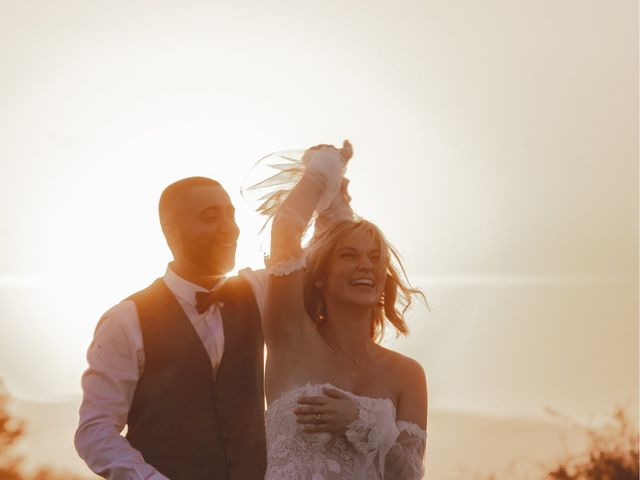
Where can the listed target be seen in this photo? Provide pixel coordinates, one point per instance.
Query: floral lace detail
(412, 429)
(359, 454)
(404, 459)
(374, 431)
(285, 267)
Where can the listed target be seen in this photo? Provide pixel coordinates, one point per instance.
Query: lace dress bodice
(375, 446)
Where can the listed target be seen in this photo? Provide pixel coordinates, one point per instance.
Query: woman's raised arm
(321, 182)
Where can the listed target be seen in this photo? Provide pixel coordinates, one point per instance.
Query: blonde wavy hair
(397, 294)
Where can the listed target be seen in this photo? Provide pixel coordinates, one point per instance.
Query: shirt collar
(184, 289)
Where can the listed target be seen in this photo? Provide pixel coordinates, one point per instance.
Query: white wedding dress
(375, 446)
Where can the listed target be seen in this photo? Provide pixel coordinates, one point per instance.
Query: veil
(271, 179)
(269, 182)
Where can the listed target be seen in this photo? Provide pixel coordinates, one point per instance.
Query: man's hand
(332, 413)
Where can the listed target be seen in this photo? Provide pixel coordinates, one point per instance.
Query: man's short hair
(170, 196)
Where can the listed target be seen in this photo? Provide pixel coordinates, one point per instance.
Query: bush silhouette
(612, 453)
(11, 430)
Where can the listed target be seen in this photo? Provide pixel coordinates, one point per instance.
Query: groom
(180, 363)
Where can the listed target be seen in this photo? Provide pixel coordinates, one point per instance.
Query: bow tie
(204, 300)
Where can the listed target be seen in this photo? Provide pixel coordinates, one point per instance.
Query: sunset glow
(496, 145)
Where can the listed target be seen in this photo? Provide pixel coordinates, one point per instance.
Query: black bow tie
(204, 300)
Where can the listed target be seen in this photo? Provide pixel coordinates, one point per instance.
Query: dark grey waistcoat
(184, 423)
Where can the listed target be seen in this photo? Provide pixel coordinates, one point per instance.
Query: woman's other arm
(405, 459)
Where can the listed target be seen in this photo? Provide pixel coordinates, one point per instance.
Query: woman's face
(356, 270)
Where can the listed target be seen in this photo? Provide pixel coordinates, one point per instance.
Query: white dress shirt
(116, 361)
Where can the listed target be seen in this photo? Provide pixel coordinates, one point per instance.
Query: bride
(340, 406)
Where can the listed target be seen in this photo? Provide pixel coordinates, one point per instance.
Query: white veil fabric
(272, 178)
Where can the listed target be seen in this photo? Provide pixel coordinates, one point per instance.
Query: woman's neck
(347, 329)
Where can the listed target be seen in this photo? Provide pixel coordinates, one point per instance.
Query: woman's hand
(338, 210)
(346, 152)
(332, 413)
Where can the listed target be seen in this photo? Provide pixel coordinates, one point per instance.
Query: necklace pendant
(357, 362)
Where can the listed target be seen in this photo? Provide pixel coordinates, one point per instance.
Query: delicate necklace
(340, 350)
(355, 361)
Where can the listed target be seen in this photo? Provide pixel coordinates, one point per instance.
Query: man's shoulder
(119, 319)
(124, 315)
(124, 310)
(157, 284)
(244, 293)
(256, 280)
(246, 280)
(248, 273)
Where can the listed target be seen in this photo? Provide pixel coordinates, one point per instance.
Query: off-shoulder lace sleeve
(373, 433)
(405, 458)
(395, 448)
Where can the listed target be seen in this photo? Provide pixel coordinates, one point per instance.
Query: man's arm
(115, 360)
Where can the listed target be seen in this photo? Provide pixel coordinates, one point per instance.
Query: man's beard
(210, 260)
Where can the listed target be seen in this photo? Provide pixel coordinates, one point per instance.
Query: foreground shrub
(612, 453)
(10, 432)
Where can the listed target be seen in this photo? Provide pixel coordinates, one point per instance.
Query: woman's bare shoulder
(406, 371)
(399, 362)
(410, 385)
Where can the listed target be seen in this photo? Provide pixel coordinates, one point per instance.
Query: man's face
(206, 233)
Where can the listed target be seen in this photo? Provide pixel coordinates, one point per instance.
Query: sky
(496, 144)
